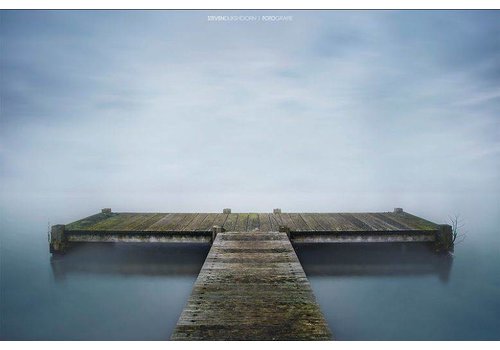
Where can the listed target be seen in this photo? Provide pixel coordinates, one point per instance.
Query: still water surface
(137, 292)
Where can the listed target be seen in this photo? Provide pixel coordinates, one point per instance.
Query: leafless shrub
(457, 225)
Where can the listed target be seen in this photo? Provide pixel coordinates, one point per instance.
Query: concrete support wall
(444, 238)
(58, 240)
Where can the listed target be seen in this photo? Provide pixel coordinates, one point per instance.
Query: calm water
(118, 291)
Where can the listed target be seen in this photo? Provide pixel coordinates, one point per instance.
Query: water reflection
(130, 259)
(151, 272)
(373, 259)
(317, 259)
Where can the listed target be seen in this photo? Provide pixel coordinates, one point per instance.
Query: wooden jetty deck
(252, 287)
(397, 226)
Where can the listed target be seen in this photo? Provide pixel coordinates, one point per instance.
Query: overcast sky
(167, 111)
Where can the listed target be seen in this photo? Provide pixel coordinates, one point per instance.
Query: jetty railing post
(58, 241)
(226, 211)
(444, 238)
(215, 231)
(286, 230)
(277, 211)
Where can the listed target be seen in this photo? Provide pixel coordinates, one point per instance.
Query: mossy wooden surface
(258, 222)
(252, 287)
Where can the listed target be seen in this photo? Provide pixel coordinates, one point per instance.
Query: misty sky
(163, 110)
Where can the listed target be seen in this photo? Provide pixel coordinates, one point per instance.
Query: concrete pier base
(444, 238)
(58, 241)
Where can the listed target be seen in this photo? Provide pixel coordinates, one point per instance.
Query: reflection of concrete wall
(373, 260)
(317, 259)
(131, 259)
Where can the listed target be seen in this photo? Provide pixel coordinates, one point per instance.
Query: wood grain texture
(252, 287)
(356, 223)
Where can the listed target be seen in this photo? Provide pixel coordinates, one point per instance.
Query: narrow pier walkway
(252, 287)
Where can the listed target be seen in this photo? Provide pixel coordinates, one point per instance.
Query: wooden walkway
(303, 227)
(252, 287)
(247, 222)
(107, 226)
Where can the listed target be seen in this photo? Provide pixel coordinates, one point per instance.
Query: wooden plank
(220, 219)
(386, 224)
(275, 221)
(177, 222)
(195, 223)
(311, 221)
(230, 223)
(415, 222)
(144, 225)
(160, 224)
(265, 223)
(392, 217)
(208, 223)
(89, 221)
(373, 223)
(300, 224)
(241, 224)
(252, 287)
(361, 225)
(253, 222)
(321, 219)
(397, 226)
(174, 222)
(130, 221)
(335, 222)
(287, 221)
(186, 222)
(109, 223)
(297, 222)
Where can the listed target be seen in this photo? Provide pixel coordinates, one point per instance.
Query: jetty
(252, 285)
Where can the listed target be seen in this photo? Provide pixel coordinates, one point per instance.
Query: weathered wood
(148, 222)
(195, 223)
(241, 224)
(111, 221)
(390, 221)
(251, 287)
(370, 221)
(230, 222)
(176, 222)
(253, 222)
(187, 220)
(208, 223)
(160, 224)
(360, 225)
(180, 226)
(275, 221)
(129, 222)
(299, 223)
(286, 220)
(312, 222)
(220, 219)
(265, 223)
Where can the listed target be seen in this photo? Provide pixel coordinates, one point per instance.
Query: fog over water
(165, 111)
